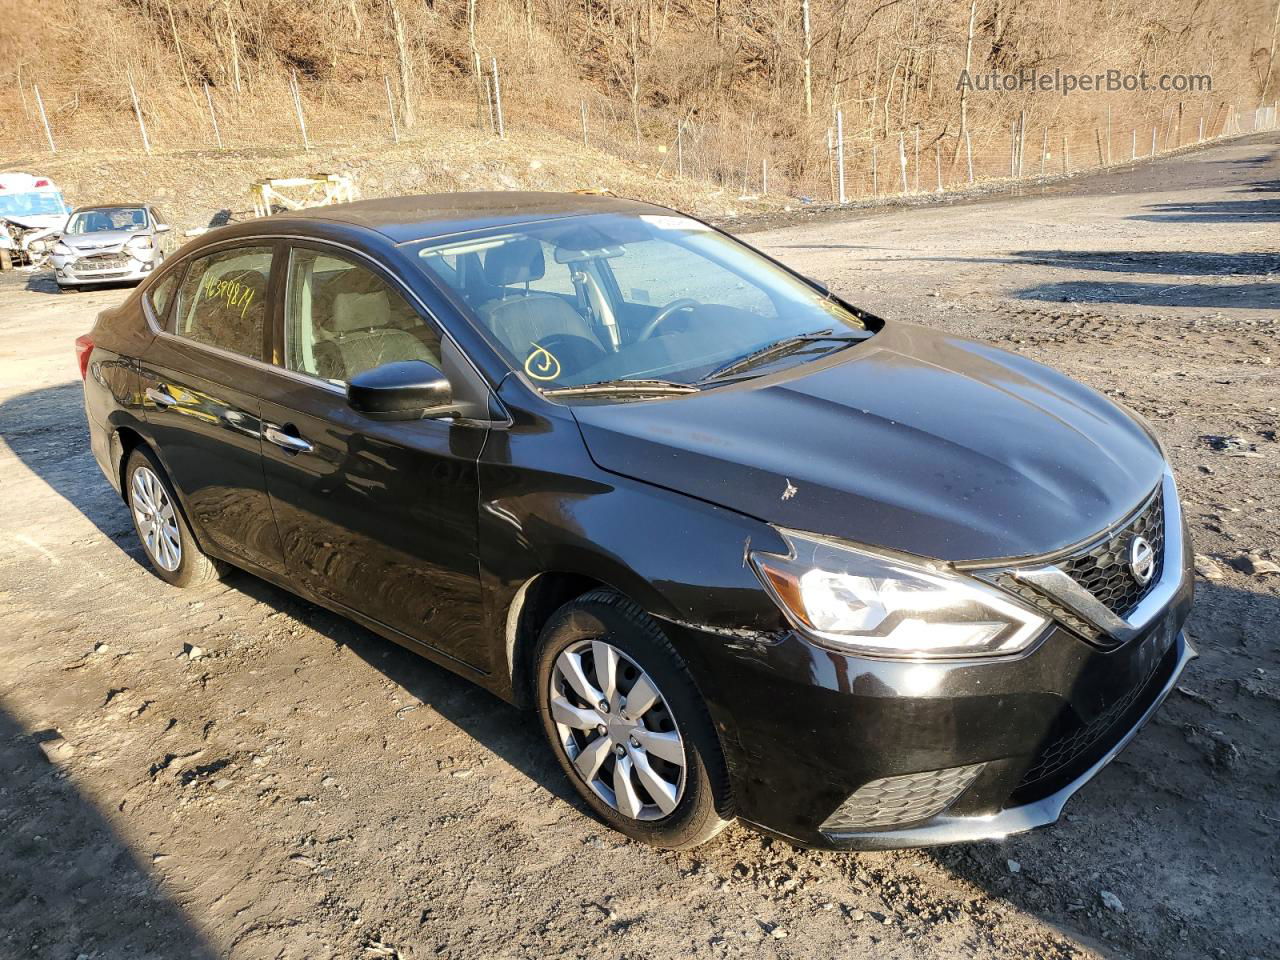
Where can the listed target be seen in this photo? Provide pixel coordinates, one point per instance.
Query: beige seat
(364, 330)
(521, 317)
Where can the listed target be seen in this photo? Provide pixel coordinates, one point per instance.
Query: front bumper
(805, 728)
(948, 828)
(116, 268)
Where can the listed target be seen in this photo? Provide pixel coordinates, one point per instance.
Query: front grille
(1073, 739)
(1103, 569)
(896, 801)
(102, 263)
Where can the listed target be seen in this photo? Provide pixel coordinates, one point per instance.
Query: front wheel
(628, 725)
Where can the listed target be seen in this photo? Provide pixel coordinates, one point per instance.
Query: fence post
(137, 111)
(44, 118)
(1013, 150)
(937, 157)
(968, 154)
(297, 106)
(1200, 132)
(831, 166)
(1154, 146)
(917, 183)
(1108, 134)
(1133, 150)
(1066, 156)
(391, 109)
(840, 154)
(902, 158)
(1097, 136)
(1022, 138)
(584, 123)
(213, 117)
(1044, 148)
(875, 175)
(680, 149)
(497, 98)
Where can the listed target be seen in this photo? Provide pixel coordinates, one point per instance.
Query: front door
(377, 515)
(201, 381)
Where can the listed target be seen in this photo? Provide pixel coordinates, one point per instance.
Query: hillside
(701, 100)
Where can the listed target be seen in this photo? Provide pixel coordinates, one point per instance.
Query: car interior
(343, 320)
(580, 313)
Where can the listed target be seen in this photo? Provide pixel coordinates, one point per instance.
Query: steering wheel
(683, 303)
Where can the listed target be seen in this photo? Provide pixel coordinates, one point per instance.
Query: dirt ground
(298, 788)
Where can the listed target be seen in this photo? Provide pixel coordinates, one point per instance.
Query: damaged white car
(32, 211)
(110, 244)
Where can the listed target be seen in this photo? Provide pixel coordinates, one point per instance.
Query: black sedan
(747, 550)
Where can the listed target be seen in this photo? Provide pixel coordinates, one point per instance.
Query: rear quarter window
(161, 295)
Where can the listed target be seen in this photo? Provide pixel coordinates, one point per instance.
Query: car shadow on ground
(70, 885)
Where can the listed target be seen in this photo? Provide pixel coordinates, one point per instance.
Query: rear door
(377, 515)
(202, 380)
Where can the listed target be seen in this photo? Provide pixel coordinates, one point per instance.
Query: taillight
(84, 347)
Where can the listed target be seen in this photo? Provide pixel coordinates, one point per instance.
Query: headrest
(359, 311)
(518, 261)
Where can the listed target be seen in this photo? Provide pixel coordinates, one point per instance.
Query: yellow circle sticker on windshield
(542, 364)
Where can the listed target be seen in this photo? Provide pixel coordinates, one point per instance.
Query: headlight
(861, 602)
(140, 243)
(61, 249)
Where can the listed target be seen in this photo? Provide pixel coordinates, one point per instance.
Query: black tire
(194, 567)
(706, 805)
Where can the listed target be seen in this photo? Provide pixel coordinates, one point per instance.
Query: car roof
(110, 206)
(404, 219)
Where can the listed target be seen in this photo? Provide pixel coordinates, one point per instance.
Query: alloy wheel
(617, 730)
(157, 519)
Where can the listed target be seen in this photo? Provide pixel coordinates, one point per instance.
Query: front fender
(545, 507)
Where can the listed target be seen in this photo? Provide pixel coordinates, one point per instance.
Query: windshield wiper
(772, 351)
(623, 387)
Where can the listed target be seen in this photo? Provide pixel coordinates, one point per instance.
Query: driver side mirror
(404, 390)
(162, 228)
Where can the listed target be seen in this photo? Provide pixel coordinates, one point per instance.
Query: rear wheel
(161, 527)
(628, 725)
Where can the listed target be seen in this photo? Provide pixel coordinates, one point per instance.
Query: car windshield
(32, 203)
(664, 300)
(124, 219)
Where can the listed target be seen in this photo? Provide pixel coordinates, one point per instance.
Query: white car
(31, 211)
(110, 244)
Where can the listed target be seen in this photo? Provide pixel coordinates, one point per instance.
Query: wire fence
(847, 160)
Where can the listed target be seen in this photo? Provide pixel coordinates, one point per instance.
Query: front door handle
(161, 397)
(286, 441)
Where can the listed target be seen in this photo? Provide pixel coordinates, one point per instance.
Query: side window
(161, 295)
(657, 273)
(342, 319)
(223, 300)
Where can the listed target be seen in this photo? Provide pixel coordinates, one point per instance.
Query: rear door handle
(288, 442)
(161, 397)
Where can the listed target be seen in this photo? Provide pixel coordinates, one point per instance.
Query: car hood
(36, 221)
(913, 441)
(101, 240)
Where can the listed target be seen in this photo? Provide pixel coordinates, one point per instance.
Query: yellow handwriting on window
(232, 293)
